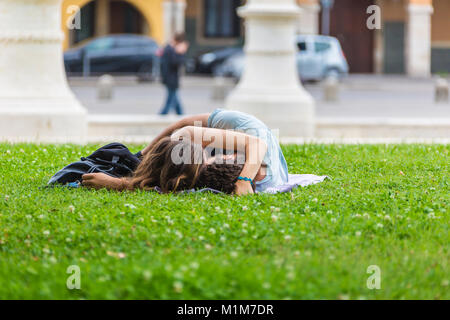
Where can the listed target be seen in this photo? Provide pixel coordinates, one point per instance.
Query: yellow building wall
(193, 8)
(440, 22)
(396, 10)
(393, 10)
(151, 10)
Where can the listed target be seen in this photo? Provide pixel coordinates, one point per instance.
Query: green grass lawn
(385, 206)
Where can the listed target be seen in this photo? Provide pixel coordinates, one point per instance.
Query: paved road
(360, 96)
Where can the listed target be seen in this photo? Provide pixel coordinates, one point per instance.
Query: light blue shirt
(277, 171)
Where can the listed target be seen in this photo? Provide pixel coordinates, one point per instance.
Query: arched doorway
(115, 18)
(125, 18)
(101, 17)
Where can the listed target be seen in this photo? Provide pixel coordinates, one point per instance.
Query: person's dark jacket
(171, 62)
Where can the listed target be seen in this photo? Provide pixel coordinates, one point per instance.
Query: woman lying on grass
(229, 151)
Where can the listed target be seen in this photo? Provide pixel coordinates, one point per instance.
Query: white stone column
(418, 40)
(173, 17)
(36, 103)
(308, 23)
(270, 87)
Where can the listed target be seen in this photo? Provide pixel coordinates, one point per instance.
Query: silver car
(318, 57)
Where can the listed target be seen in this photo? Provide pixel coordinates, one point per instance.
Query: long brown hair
(158, 168)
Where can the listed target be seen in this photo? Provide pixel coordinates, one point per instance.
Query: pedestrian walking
(172, 59)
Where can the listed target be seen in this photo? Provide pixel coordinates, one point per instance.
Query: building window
(221, 19)
(87, 30)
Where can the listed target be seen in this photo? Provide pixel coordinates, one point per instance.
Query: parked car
(318, 57)
(115, 54)
(231, 67)
(208, 62)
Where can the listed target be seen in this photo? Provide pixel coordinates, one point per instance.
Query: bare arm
(188, 121)
(255, 149)
(101, 180)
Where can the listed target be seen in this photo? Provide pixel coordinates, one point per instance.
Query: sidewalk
(361, 96)
(131, 97)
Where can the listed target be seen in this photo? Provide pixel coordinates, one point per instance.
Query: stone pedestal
(418, 40)
(331, 89)
(36, 103)
(270, 87)
(173, 17)
(441, 91)
(105, 87)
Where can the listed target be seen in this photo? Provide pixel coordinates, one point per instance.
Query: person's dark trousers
(172, 102)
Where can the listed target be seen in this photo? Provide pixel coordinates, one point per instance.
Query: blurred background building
(414, 37)
(124, 38)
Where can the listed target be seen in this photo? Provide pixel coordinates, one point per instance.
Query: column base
(269, 87)
(49, 121)
(289, 113)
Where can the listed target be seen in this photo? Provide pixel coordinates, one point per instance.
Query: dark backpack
(113, 159)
